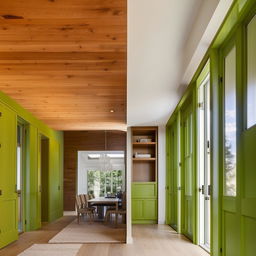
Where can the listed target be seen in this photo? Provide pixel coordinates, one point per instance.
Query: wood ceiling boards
(65, 61)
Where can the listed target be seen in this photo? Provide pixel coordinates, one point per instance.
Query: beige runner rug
(85, 232)
(52, 250)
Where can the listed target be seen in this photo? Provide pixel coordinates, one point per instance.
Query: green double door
(8, 195)
(187, 173)
(180, 172)
(173, 177)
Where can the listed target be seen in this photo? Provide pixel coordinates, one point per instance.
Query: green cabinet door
(144, 202)
(137, 209)
(150, 209)
(8, 195)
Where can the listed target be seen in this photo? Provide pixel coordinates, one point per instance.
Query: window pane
(251, 73)
(100, 183)
(230, 125)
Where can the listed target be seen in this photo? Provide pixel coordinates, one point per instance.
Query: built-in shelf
(144, 174)
(144, 143)
(144, 159)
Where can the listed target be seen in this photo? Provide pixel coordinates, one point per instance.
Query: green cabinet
(144, 202)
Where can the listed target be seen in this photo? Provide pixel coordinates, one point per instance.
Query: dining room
(94, 187)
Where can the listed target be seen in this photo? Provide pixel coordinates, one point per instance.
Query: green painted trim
(215, 159)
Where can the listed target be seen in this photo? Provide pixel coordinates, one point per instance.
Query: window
(251, 73)
(100, 183)
(230, 125)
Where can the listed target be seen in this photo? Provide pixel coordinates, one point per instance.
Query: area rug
(85, 232)
(52, 250)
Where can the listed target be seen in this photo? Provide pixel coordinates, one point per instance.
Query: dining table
(100, 202)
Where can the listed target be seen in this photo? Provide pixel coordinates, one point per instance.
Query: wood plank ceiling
(65, 61)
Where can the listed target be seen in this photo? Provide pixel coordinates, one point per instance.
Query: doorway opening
(204, 163)
(20, 174)
(44, 177)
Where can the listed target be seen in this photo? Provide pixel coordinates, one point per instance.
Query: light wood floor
(149, 240)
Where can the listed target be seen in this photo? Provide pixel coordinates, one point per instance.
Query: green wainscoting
(10, 112)
(144, 202)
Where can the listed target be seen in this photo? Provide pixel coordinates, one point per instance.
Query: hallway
(148, 240)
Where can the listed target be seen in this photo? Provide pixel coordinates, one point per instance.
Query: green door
(8, 195)
(172, 191)
(187, 172)
(230, 193)
(248, 150)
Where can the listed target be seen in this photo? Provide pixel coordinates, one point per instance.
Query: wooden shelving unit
(144, 175)
(144, 169)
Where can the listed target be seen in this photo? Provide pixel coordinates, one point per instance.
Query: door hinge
(25, 222)
(201, 105)
(220, 250)
(221, 79)
(0, 114)
(180, 164)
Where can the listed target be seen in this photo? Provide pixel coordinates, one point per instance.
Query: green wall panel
(144, 190)
(32, 195)
(8, 196)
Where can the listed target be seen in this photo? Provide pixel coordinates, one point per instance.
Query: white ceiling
(159, 33)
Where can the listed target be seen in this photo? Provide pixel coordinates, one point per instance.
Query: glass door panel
(204, 163)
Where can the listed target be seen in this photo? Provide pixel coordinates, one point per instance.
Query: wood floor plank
(149, 240)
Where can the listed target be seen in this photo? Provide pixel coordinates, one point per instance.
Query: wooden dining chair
(84, 199)
(81, 210)
(121, 211)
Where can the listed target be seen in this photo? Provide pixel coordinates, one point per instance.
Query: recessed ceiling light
(112, 111)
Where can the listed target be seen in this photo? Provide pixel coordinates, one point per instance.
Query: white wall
(129, 186)
(210, 17)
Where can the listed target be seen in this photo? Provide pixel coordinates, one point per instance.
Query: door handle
(209, 190)
(207, 198)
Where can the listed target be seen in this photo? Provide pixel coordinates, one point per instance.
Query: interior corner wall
(75, 141)
(161, 173)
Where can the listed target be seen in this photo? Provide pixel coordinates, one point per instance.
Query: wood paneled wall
(75, 141)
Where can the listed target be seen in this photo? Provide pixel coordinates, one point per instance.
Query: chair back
(83, 200)
(86, 196)
(79, 204)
